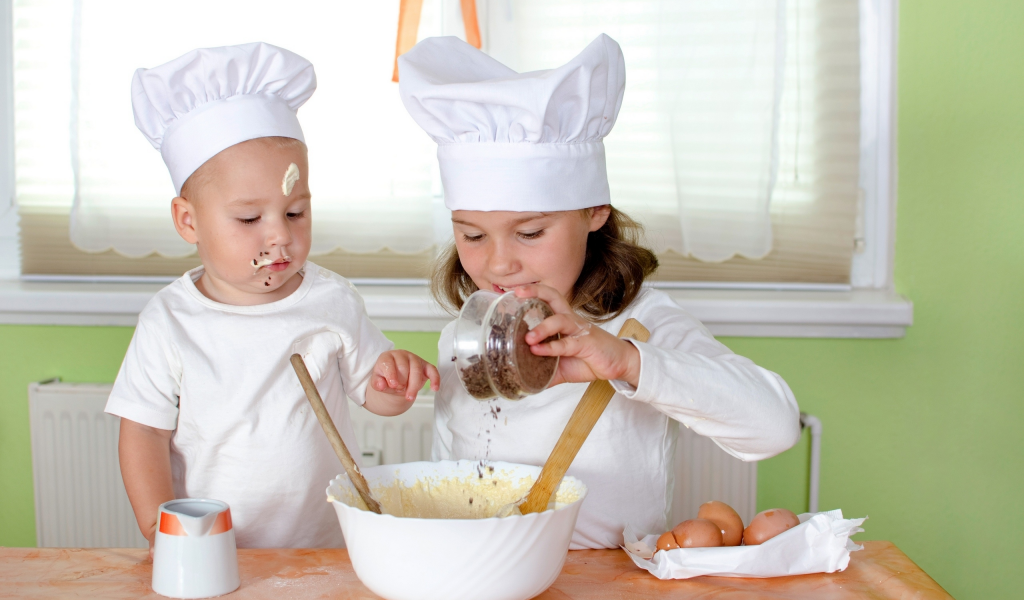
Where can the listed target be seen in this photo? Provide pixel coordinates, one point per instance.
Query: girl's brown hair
(615, 267)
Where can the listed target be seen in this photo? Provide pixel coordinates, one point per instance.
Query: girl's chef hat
(213, 98)
(515, 141)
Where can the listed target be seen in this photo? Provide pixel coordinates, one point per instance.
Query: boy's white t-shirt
(244, 432)
(686, 376)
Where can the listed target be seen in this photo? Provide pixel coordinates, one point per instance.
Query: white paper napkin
(820, 544)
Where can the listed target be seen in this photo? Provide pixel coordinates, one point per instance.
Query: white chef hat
(515, 141)
(213, 98)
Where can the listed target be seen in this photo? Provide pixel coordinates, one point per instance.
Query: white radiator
(80, 498)
(81, 503)
(706, 472)
(388, 440)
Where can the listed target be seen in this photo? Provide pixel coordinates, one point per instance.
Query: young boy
(209, 404)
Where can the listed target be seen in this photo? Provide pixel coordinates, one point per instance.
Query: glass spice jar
(491, 354)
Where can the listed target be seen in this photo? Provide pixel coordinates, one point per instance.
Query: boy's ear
(600, 216)
(183, 215)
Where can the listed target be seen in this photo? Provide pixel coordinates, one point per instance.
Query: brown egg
(667, 541)
(768, 524)
(697, 533)
(725, 517)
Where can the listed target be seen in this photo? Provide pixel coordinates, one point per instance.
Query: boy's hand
(587, 352)
(398, 374)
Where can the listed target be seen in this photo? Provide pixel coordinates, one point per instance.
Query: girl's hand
(399, 372)
(587, 352)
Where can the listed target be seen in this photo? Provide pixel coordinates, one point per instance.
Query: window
(377, 198)
(80, 159)
(814, 200)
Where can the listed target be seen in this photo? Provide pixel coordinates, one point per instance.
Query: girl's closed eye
(249, 220)
(296, 215)
(531, 235)
(472, 238)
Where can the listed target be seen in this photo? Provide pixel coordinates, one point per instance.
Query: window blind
(811, 208)
(813, 204)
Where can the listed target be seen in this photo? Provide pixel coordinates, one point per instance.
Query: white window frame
(868, 308)
(873, 263)
(10, 267)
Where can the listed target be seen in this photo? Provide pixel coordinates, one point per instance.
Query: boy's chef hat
(213, 98)
(515, 141)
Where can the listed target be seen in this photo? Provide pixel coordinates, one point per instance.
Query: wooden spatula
(582, 421)
(332, 434)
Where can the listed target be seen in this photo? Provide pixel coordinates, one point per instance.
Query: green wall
(921, 434)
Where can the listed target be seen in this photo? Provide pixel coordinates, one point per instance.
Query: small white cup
(194, 553)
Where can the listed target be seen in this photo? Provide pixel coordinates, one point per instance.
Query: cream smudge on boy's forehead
(291, 175)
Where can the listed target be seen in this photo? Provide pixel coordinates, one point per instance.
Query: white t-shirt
(686, 376)
(244, 432)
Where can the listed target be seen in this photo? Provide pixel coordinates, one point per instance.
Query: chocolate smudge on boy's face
(259, 264)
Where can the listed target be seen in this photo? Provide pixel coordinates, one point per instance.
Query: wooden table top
(880, 571)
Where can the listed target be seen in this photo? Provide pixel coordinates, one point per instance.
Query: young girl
(522, 163)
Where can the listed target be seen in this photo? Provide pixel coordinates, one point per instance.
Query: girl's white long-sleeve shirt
(686, 376)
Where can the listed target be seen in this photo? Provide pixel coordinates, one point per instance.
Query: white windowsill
(742, 313)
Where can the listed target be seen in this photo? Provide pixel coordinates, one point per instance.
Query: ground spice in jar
(506, 367)
(474, 378)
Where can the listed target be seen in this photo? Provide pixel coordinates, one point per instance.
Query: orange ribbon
(469, 21)
(409, 24)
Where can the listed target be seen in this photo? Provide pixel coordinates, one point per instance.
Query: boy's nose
(279, 234)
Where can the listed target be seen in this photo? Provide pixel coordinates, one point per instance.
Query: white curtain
(694, 154)
(371, 168)
(720, 75)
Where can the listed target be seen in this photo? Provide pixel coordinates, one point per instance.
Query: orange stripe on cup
(170, 525)
(222, 524)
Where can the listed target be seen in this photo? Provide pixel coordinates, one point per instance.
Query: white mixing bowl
(399, 558)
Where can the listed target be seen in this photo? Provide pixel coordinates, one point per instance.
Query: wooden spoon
(582, 421)
(332, 434)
